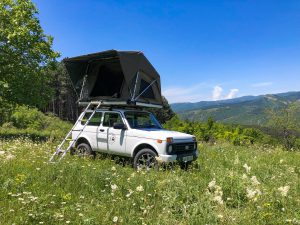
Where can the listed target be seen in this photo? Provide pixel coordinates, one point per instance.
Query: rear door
(91, 130)
(110, 139)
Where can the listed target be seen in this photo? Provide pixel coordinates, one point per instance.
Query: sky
(203, 50)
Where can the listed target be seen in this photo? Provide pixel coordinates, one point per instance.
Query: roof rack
(121, 104)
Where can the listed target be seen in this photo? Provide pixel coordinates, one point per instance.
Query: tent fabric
(114, 75)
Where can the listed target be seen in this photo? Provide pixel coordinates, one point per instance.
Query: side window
(111, 118)
(95, 120)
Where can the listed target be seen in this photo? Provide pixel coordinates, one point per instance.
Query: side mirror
(120, 126)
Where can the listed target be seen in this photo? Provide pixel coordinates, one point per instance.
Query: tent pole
(84, 80)
(145, 90)
(136, 80)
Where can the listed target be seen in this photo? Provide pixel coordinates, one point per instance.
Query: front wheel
(145, 160)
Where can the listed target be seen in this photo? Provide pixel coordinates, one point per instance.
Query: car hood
(161, 134)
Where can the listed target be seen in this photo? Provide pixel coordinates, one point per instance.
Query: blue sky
(203, 50)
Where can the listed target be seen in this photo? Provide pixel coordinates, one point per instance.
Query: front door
(110, 139)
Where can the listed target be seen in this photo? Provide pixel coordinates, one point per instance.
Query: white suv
(135, 134)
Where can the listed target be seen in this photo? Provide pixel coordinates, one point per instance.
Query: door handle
(101, 130)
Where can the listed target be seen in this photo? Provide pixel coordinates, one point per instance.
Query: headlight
(169, 149)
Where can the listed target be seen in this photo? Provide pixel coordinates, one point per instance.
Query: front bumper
(177, 157)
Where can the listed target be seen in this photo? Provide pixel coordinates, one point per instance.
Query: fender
(85, 137)
(151, 142)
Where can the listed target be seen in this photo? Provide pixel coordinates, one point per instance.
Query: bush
(25, 117)
(31, 123)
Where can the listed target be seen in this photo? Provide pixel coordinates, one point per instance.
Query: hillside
(247, 110)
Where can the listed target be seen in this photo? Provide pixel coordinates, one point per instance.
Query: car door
(110, 139)
(91, 129)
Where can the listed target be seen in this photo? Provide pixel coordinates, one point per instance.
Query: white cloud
(184, 94)
(232, 93)
(217, 92)
(197, 93)
(262, 84)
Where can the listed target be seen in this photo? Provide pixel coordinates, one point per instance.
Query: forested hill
(247, 110)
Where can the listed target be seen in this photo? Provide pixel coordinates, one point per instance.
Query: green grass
(216, 190)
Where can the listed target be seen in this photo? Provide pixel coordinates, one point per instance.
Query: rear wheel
(83, 150)
(145, 160)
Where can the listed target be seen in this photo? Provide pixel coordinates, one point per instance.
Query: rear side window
(95, 120)
(111, 118)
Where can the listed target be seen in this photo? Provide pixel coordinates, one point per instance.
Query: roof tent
(115, 76)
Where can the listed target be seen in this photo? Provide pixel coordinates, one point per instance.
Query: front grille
(183, 147)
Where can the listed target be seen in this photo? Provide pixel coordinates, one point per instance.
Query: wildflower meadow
(226, 185)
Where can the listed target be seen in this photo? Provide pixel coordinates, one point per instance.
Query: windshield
(139, 120)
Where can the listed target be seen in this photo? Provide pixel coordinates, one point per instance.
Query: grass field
(227, 185)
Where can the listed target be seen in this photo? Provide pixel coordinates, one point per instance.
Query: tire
(145, 159)
(83, 150)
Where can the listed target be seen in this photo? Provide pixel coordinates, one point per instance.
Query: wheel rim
(82, 151)
(146, 161)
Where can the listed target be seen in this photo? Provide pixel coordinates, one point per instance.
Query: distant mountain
(247, 110)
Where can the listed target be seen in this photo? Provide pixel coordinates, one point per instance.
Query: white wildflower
(2, 152)
(113, 168)
(284, 190)
(80, 214)
(254, 181)
(218, 199)
(130, 193)
(250, 193)
(244, 177)
(10, 157)
(220, 216)
(247, 168)
(68, 221)
(253, 194)
(140, 188)
(114, 187)
(115, 219)
(38, 168)
(281, 161)
(212, 184)
(218, 191)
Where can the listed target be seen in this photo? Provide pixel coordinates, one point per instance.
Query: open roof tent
(113, 76)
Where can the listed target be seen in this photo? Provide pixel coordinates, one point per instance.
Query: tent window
(149, 92)
(109, 81)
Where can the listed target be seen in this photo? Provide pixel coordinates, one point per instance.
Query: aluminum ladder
(60, 149)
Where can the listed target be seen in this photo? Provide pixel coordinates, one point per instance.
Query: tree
(63, 103)
(25, 54)
(286, 123)
(164, 114)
